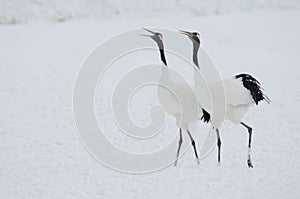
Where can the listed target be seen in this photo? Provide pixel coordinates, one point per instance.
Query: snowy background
(16, 11)
(42, 46)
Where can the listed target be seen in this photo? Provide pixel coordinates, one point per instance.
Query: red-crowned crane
(241, 91)
(182, 104)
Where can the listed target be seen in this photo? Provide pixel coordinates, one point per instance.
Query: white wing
(236, 93)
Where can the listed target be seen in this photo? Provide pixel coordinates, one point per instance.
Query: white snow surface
(41, 155)
(16, 11)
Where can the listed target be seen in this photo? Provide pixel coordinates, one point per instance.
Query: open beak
(148, 31)
(185, 33)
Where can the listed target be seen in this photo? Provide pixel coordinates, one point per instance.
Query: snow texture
(41, 155)
(16, 11)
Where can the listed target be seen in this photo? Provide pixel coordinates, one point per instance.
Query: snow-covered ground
(41, 155)
(16, 11)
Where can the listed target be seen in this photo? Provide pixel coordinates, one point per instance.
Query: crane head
(194, 36)
(156, 36)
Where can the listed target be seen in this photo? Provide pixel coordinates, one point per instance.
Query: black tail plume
(254, 87)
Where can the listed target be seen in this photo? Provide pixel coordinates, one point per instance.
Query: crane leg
(179, 146)
(219, 145)
(194, 146)
(249, 162)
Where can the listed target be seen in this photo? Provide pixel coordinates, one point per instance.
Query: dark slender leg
(194, 146)
(179, 146)
(249, 162)
(219, 145)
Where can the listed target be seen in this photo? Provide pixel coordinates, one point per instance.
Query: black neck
(161, 48)
(196, 46)
(162, 56)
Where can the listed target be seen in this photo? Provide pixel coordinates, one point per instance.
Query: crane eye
(196, 34)
(160, 36)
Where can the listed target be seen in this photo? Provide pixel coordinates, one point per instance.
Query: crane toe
(249, 162)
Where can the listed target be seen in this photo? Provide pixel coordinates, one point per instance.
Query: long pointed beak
(149, 30)
(185, 32)
(145, 35)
